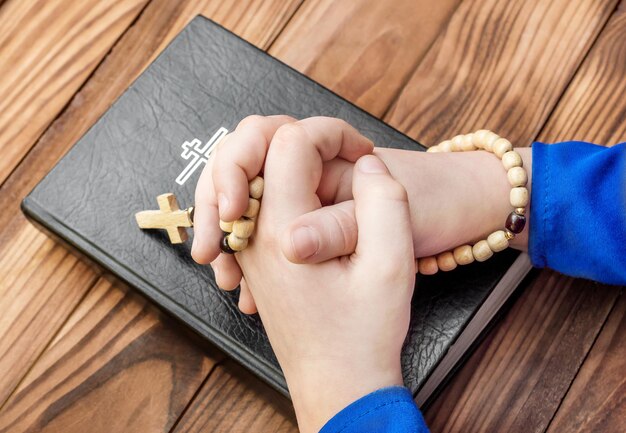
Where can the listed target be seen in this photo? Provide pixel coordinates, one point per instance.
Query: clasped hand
(330, 267)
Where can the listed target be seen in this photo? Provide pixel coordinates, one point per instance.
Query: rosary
(235, 234)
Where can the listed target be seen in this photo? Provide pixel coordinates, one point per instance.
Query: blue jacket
(577, 227)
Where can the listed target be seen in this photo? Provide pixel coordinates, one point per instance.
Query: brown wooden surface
(80, 354)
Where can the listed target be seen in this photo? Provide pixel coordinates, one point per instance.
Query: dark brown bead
(224, 245)
(515, 223)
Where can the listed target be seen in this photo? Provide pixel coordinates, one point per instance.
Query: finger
(240, 159)
(322, 234)
(336, 182)
(246, 301)
(382, 214)
(206, 234)
(294, 164)
(227, 272)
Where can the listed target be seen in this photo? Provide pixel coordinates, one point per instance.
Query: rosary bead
(517, 176)
(446, 262)
(467, 144)
(237, 243)
(256, 186)
(463, 255)
(490, 139)
(482, 251)
(224, 245)
(427, 265)
(243, 228)
(497, 241)
(502, 146)
(457, 143)
(226, 226)
(511, 159)
(445, 146)
(515, 223)
(479, 137)
(253, 208)
(519, 197)
(520, 210)
(433, 149)
(509, 236)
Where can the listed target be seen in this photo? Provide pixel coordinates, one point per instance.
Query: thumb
(322, 234)
(382, 214)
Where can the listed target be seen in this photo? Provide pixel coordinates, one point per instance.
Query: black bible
(154, 140)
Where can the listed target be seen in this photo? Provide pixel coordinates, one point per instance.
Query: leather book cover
(153, 140)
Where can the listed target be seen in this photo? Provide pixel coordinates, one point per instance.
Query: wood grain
(232, 400)
(596, 402)
(594, 108)
(499, 65)
(117, 365)
(516, 380)
(43, 65)
(42, 297)
(364, 50)
(31, 316)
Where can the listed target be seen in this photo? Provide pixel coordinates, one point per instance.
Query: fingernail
(371, 164)
(305, 242)
(223, 203)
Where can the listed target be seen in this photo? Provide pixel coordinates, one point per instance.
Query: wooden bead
(457, 143)
(478, 138)
(519, 197)
(446, 262)
(517, 176)
(433, 149)
(512, 159)
(225, 247)
(467, 144)
(497, 241)
(253, 208)
(463, 255)
(515, 223)
(243, 228)
(256, 186)
(236, 243)
(490, 139)
(502, 146)
(445, 146)
(482, 251)
(427, 265)
(226, 226)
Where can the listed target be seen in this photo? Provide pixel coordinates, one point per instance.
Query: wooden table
(81, 354)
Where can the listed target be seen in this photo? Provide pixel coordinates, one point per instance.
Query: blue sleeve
(578, 210)
(388, 410)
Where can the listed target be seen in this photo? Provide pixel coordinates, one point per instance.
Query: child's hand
(222, 191)
(337, 327)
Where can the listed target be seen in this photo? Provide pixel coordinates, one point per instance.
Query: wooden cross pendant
(169, 217)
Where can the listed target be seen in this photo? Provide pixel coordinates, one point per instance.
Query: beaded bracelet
(519, 197)
(235, 234)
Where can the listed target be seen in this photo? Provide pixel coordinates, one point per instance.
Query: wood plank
(499, 65)
(233, 400)
(596, 402)
(517, 378)
(117, 365)
(31, 316)
(157, 25)
(43, 65)
(364, 50)
(593, 108)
